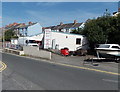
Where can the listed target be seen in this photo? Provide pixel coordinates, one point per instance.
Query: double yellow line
(4, 66)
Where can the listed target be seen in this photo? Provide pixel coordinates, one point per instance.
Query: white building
(116, 14)
(67, 28)
(14, 41)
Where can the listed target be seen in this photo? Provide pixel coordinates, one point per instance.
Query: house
(66, 27)
(118, 12)
(1, 33)
(22, 29)
(14, 41)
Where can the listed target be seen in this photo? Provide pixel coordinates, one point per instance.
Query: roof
(18, 25)
(110, 45)
(64, 26)
(68, 33)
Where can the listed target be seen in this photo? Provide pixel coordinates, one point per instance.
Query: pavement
(78, 61)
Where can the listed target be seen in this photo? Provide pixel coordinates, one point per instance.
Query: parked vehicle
(59, 40)
(108, 51)
(71, 41)
(28, 41)
(74, 42)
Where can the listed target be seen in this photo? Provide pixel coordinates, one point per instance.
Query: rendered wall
(34, 51)
(34, 29)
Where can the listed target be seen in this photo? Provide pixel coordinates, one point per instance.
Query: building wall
(34, 51)
(34, 29)
(39, 36)
(82, 26)
(68, 30)
(14, 41)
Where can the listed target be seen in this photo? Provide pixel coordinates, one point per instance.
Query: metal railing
(13, 46)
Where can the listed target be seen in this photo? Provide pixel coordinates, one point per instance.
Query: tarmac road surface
(49, 76)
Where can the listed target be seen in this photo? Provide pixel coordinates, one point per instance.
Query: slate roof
(18, 25)
(65, 26)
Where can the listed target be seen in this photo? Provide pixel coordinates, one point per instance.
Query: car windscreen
(32, 41)
(104, 46)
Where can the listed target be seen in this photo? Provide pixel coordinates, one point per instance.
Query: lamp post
(3, 38)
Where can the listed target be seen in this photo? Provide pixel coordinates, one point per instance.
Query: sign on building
(47, 38)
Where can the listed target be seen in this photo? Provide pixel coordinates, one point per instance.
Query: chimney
(118, 9)
(75, 21)
(6, 26)
(30, 23)
(10, 25)
(23, 24)
(61, 23)
(14, 23)
(119, 6)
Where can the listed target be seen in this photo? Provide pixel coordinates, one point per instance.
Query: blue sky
(52, 13)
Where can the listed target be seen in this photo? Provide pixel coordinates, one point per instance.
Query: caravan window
(78, 41)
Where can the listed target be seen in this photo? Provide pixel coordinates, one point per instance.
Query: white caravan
(66, 40)
(59, 40)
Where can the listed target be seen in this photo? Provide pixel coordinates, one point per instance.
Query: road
(49, 76)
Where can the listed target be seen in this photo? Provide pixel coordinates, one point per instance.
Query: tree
(114, 35)
(103, 29)
(77, 31)
(8, 35)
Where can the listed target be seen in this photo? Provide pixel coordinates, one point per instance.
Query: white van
(27, 41)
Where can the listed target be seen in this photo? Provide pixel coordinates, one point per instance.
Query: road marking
(73, 66)
(108, 80)
(21, 85)
(87, 68)
(4, 66)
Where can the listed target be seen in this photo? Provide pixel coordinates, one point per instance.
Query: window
(26, 41)
(116, 47)
(60, 30)
(104, 46)
(78, 41)
(32, 41)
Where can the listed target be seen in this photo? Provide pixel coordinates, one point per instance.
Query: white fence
(34, 51)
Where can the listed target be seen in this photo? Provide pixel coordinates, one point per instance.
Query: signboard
(47, 38)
